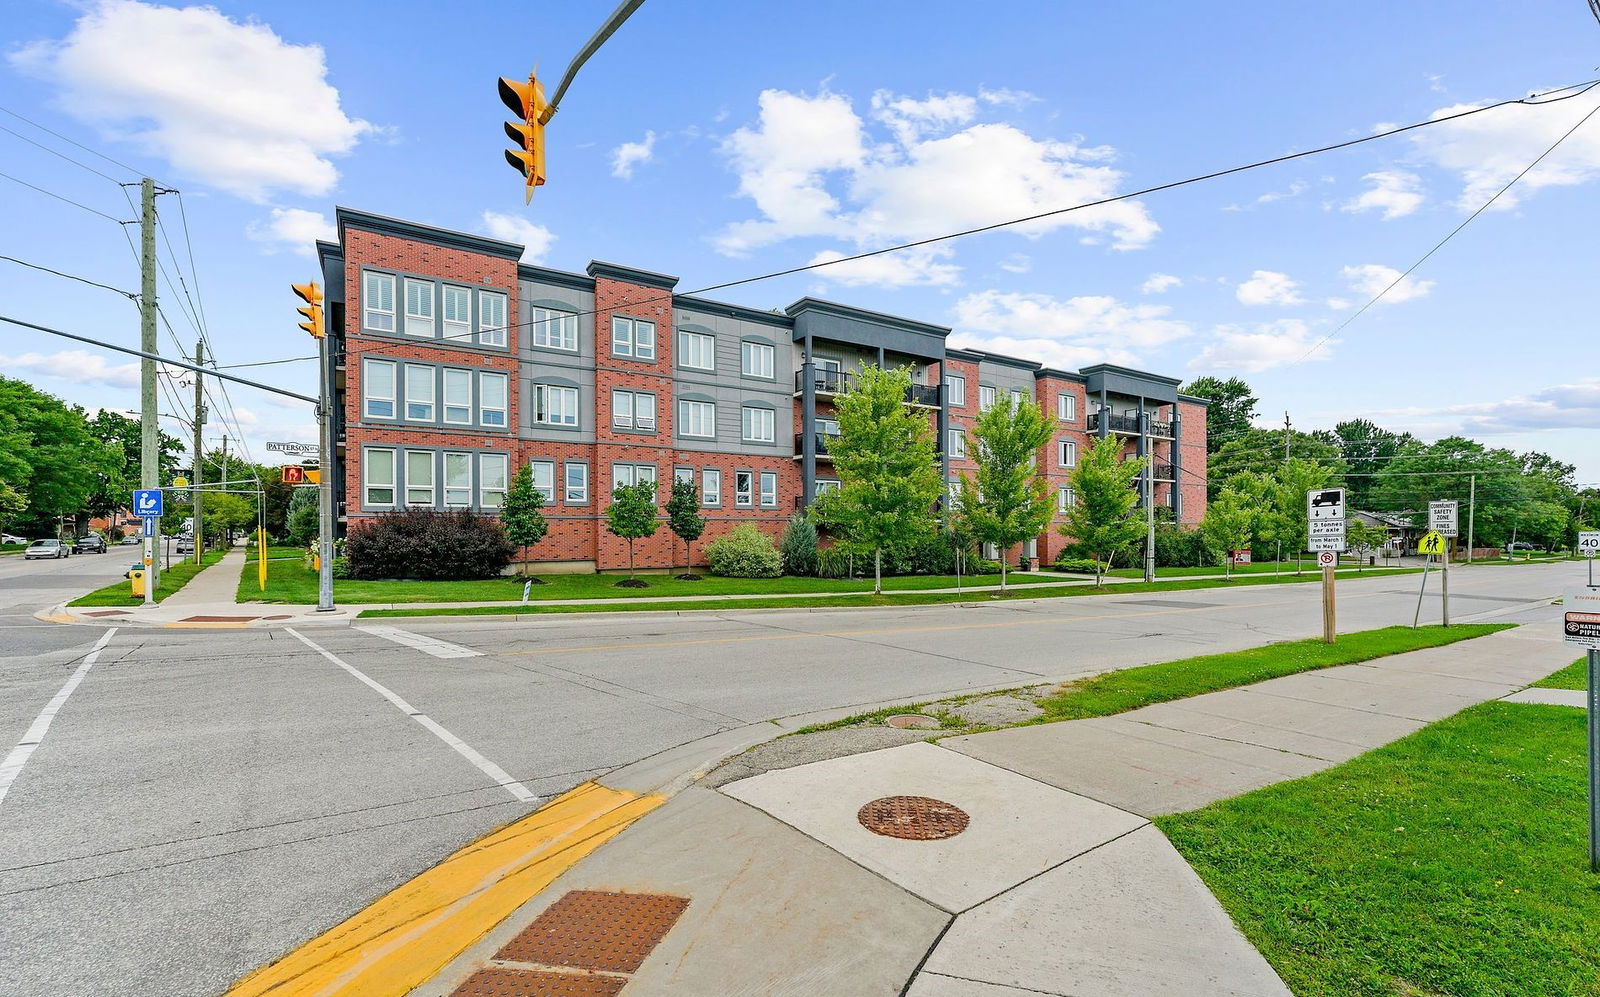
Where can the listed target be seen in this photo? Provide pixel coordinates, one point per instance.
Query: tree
(1103, 521)
(124, 443)
(1296, 478)
(1359, 536)
(12, 504)
(631, 516)
(1262, 451)
(1008, 501)
(520, 513)
(884, 455)
(799, 546)
(224, 513)
(1232, 408)
(684, 520)
(302, 524)
(65, 463)
(1366, 450)
(1229, 523)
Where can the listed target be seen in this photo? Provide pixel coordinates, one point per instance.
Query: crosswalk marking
(427, 645)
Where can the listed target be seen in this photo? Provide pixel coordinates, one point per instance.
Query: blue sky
(719, 140)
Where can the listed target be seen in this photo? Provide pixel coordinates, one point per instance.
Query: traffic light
(312, 296)
(526, 101)
(299, 474)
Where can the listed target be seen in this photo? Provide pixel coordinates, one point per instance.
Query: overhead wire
(70, 276)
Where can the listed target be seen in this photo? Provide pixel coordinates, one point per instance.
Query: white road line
(427, 645)
(12, 766)
(465, 750)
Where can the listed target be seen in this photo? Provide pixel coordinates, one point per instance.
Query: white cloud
(812, 168)
(1294, 189)
(78, 366)
(631, 154)
(1006, 97)
(1369, 279)
(1338, 304)
(1258, 347)
(294, 229)
(1490, 148)
(1160, 283)
(906, 268)
(1050, 352)
(1268, 287)
(229, 103)
(1017, 263)
(1396, 193)
(535, 239)
(1563, 406)
(1084, 326)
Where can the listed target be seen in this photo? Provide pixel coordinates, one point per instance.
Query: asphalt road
(205, 800)
(28, 586)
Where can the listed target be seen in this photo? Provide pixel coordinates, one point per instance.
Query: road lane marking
(12, 766)
(427, 645)
(465, 750)
(407, 936)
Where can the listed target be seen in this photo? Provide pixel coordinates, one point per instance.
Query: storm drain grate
(597, 930)
(502, 981)
(916, 818)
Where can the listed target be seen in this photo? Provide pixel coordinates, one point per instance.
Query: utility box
(136, 578)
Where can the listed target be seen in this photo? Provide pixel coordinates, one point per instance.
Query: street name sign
(295, 447)
(1325, 519)
(147, 502)
(1442, 518)
(1589, 543)
(1580, 618)
(1431, 543)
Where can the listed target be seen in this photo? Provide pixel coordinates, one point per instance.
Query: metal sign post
(148, 504)
(1442, 520)
(1589, 547)
(1428, 546)
(1581, 626)
(1325, 531)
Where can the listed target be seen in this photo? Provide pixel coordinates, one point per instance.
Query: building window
(419, 308)
(989, 552)
(458, 480)
(419, 477)
(956, 446)
(633, 410)
(379, 468)
(956, 389)
(458, 396)
(577, 483)
(553, 329)
(377, 388)
(492, 474)
(544, 479)
(683, 475)
(697, 419)
(377, 301)
(631, 474)
(457, 313)
(697, 350)
(769, 489)
(743, 489)
(756, 359)
(419, 393)
(1067, 407)
(491, 318)
(710, 487)
(632, 337)
(1068, 456)
(1030, 547)
(492, 402)
(1066, 498)
(1018, 397)
(759, 424)
(826, 485)
(828, 427)
(985, 396)
(554, 405)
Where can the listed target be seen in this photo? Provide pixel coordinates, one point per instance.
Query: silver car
(46, 548)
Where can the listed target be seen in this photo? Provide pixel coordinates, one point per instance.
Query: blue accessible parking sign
(147, 502)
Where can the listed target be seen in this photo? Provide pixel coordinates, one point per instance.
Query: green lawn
(274, 552)
(120, 593)
(1452, 862)
(12, 548)
(1574, 676)
(1309, 566)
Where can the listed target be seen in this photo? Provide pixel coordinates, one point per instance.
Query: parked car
(129, 540)
(185, 545)
(46, 548)
(8, 538)
(1520, 545)
(89, 543)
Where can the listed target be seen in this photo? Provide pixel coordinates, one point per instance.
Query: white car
(46, 548)
(7, 538)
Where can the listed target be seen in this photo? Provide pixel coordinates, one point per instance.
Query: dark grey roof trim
(555, 278)
(1193, 399)
(687, 302)
(1108, 368)
(1006, 361)
(616, 271)
(1056, 372)
(966, 356)
(862, 314)
(425, 233)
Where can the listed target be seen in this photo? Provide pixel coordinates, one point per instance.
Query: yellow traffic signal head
(527, 102)
(311, 294)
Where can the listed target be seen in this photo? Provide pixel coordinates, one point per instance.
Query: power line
(59, 155)
(59, 197)
(265, 363)
(93, 152)
(82, 280)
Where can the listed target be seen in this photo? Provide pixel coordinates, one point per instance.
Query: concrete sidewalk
(1055, 881)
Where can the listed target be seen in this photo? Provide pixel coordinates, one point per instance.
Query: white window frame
(641, 418)
(631, 474)
(1018, 396)
(432, 393)
(826, 485)
(749, 350)
(368, 364)
(428, 317)
(745, 497)
(456, 330)
(553, 329)
(575, 492)
(491, 327)
(373, 317)
(711, 487)
(433, 495)
(986, 396)
(1067, 407)
(956, 444)
(555, 405)
(690, 343)
(687, 421)
(1066, 453)
(462, 499)
(544, 470)
(487, 461)
(768, 483)
(683, 474)
(1030, 547)
(485, 410)
(1066, 498)
(456, 377)
(634, 338)
(956, 393)
(368, 483)
(748, 424)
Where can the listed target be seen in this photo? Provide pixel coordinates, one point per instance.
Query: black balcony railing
(1126, 424)
(822, 442)
(828, 382)
(923, 394)
(1165, 472)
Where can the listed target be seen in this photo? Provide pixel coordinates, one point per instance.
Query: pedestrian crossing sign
(1431, 543)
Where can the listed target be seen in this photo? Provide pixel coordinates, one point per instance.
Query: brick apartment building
(455, 364)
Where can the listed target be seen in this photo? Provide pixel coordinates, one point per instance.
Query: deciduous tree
(521, 514)
(685, 521)
(1007, 501)
(632, 516)
(1103, 521)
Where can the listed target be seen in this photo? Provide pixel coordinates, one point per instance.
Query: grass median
(1307, 566)
(275, 552)
(1450, 862)
(1574, 676)
(120, 593)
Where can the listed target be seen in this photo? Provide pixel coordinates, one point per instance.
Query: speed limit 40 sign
(1589, 543)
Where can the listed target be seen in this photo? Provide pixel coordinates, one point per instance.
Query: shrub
(302, 526)
(835, 562)
(745, 552)
(799, 547)
(1078, 564)
(428, 544)
(1177, 547)
(341, 567)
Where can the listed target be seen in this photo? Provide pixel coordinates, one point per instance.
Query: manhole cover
(912, 721)
(917, 818)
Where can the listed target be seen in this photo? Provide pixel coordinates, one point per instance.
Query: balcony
(822, 445)
(923, 395)
(837, 382)
(1165, 472)
(1128, 424)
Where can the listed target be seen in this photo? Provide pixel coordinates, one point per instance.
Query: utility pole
(1149, 506)
(199, 463)
(149, 428)
(223, 476)
(1286, 425)
(1472, 508)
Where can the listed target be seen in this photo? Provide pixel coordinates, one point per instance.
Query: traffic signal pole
(149, 428)
(325, 511)
(198, 476)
